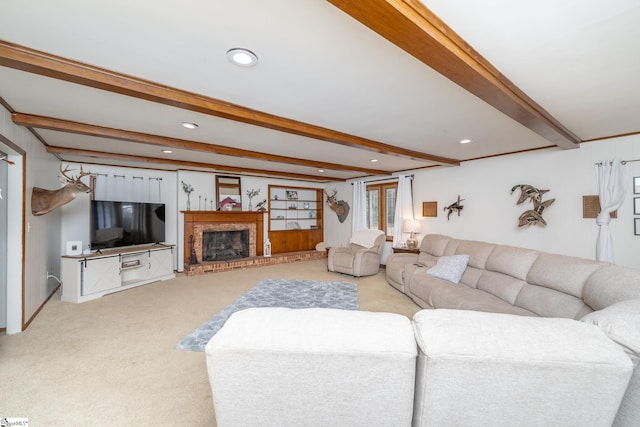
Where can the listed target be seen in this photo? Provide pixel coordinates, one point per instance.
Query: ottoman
(491, 369)
(312, 367)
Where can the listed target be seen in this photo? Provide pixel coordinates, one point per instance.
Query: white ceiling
(579, 60)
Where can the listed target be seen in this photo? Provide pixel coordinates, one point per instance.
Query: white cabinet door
(160, 263)
(100, 274)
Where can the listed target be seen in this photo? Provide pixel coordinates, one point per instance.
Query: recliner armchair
(361, 257)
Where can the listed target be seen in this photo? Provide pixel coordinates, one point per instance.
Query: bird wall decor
(455, 206)
(532, 216)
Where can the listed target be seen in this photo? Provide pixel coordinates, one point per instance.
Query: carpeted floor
(277, 293)
(113, 360)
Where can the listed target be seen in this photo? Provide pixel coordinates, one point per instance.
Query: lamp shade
(411, 226)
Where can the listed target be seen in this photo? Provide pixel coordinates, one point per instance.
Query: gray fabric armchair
(361, 257)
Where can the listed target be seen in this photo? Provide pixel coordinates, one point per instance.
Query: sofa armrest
(621, 323)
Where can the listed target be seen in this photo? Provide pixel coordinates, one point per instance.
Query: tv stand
(88, 277)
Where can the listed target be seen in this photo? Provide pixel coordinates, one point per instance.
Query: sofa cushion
(548, 302)
(431, 291)
(621, 322)
(563, 273)
(515, 262)
(493, 369)
(450, 268)
(427, 260)
(434, 244)
(478, 252)
(275, 366)
(504, 286)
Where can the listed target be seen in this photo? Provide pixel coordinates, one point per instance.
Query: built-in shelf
(295, 218)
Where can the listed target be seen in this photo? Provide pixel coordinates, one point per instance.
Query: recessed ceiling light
(189, 125)
(374, 160)
(464, 141)
(321, 170)
(167, 151)
(242, 57)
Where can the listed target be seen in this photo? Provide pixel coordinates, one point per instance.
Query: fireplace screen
(225, 245)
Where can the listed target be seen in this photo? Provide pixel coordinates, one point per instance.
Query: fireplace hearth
(225, 245)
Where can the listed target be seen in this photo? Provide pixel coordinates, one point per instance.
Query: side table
(406, 251)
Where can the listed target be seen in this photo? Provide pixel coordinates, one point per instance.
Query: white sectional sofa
(509, 336)
(320, 367)
(511, 280)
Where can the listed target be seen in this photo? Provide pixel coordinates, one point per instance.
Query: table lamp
(411, 226)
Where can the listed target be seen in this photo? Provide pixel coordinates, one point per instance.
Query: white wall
(490, 212)
(42, 240)
(335, 232)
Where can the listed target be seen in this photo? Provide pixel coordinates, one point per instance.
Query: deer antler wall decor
(340, 207)
(44, 201)
(532, 216)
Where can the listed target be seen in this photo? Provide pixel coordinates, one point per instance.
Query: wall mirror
(229, 193)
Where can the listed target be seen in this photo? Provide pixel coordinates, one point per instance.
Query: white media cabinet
(87, 277)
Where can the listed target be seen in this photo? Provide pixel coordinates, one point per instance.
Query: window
(381, 207)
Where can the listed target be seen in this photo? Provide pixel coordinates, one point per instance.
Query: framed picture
(636, 205)
(636, 185)
(636, 226)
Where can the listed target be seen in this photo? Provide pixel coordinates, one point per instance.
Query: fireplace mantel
(193, 218)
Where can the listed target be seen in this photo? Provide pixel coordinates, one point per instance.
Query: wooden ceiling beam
(37, 62)
(184, 163)
(42, 122)
(412, 27)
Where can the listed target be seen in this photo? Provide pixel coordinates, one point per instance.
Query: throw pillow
(621, 323)
(450, 268)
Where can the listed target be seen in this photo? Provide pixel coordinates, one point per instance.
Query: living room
(483, 182)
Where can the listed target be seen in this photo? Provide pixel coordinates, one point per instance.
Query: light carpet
(277, 293)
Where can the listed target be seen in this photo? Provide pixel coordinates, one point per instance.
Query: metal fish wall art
(532, 216)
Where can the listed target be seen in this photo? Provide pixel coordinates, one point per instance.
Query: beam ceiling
(185, 164)
(37, 62)
(411, 26)
(51, 123)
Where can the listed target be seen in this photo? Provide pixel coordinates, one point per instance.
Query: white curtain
(128, 188)
(139, 189)
(613, 181)
(359, 208)
(155, 190)
(100, 190)
(404, 208)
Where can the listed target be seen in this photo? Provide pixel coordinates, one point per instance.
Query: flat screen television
(115, 224)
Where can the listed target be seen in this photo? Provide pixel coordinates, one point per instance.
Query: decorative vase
(267, 248)
(188, 201)
(250, 206)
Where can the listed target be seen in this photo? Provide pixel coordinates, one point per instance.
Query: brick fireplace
(196, 223)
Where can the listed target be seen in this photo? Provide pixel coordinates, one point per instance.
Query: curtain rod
(385, 179)
(624, 162)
